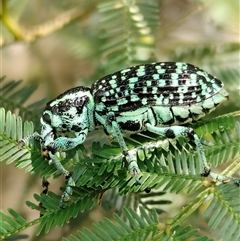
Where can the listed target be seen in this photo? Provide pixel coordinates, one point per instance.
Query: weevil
(157, 97)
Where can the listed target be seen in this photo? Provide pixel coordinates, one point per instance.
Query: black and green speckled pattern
(184, 91)
(157, 97)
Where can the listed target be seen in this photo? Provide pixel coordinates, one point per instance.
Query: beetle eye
(46, 117)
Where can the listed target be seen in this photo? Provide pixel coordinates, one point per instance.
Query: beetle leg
(130, 156)
(177, 131)
(68, 192)
(66, 143)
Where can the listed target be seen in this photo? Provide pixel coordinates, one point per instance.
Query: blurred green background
(61, 44)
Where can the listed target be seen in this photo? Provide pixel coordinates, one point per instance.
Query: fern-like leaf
(13, 96)
(127, 30)
(224, 134)
(169, 165)
(136, 226)
(224, 212)
(11, 130)
(208, 53)
(13, 223)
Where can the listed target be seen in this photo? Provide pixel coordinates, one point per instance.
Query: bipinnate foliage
(168, 166)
